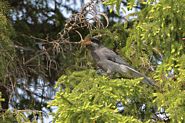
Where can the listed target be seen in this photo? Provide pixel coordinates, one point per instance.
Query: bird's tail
(137, 74)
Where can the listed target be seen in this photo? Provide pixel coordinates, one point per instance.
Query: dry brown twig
(89, 18)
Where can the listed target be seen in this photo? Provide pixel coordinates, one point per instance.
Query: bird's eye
(95, 40)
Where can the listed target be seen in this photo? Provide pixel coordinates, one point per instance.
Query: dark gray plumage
(110, 62)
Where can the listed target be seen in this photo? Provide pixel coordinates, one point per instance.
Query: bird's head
(91, 42)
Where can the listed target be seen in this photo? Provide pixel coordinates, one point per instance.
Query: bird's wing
(112, 56)
(123, 70)
(116, 64)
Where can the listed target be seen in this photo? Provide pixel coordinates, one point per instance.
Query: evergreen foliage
(154, 43)
(6, 49)
(158, 35)
(85, 96)
(150, 39)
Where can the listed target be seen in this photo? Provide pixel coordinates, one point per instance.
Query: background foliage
(155, 46)
(39, 45)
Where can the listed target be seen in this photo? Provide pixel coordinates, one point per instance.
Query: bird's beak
(86, 42)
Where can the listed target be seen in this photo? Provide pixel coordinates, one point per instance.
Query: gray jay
(112, 63)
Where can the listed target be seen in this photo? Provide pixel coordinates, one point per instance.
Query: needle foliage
(154, 45)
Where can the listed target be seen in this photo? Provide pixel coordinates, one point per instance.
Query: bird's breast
(97, 56)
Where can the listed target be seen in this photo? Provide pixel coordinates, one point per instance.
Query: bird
(107, 60)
